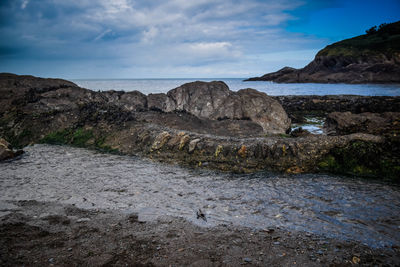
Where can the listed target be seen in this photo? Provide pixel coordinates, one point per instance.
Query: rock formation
(197, 124)
(215, 101)
(339, 123)
(369, 58)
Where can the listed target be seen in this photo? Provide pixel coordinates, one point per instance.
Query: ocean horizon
(163, 85)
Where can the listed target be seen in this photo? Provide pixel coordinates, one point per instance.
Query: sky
(79, 39)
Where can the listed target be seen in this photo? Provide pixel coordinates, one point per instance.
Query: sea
(148, 86)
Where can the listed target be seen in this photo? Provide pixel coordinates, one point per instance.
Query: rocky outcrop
(6, 151)
(369, 58)
(215, 101)
(219, 130)
(340, 123)
(296, 106)
(256, 106)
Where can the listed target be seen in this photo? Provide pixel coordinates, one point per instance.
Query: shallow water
(148, 86)
(331, 206)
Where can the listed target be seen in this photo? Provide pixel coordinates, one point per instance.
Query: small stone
(82, 220)
(247, 260)
(277, 243)
(69, 249)
(320, 252)
(51, 260)
(356, 260)
(192, 145)
(269, 230)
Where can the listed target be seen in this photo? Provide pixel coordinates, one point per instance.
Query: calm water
(148, 86)
(331, 206)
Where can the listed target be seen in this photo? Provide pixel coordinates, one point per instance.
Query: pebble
(277, 243)
(320, 252)
(69, 249)
(246, 259)
(82, 220)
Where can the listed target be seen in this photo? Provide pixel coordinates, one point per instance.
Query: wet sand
(49, 234)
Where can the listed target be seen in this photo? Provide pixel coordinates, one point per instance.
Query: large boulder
(257, 107)
(339, 123)
(201, 99)
(214, 100)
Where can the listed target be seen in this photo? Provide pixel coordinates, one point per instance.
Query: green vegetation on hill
(384, 40)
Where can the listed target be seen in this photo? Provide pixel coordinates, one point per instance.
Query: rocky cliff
(368, 58)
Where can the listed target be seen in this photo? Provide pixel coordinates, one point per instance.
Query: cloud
(24, 4)
(101, 35)
(209, 35)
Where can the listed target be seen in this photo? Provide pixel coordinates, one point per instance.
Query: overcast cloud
(138, 39)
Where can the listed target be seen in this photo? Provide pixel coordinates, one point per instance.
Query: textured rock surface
(297, 106)
(100, 120)
(201, 99)
(215, 101)
(256, 106)
(6, 151)
(339, 123)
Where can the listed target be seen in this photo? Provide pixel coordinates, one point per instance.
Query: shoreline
(242, 137)
(99, 237)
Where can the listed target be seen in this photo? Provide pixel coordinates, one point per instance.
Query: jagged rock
(339, 123)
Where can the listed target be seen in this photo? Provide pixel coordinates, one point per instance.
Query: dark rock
(131, 101)
(157, 102)
(299, 132)
(339, 123)
(248, 260)
(299, 107)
